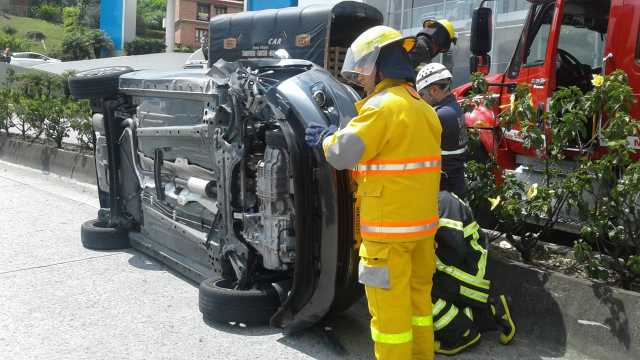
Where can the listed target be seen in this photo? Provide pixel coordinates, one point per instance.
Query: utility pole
(169, 25)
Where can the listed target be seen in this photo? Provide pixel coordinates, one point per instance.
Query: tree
(30, 114)
(152, 12)
(80, 114)
(100, 41)
(76, 45)
(6, 109)
(71, 19)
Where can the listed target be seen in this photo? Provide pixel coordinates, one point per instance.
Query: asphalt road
(61, 301)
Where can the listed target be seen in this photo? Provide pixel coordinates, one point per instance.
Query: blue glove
(315, 134)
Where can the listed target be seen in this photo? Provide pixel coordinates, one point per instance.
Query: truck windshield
(582, 35)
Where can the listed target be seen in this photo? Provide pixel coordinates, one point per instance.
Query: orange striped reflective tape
(412, 91)
(398, 167)
(398, 229)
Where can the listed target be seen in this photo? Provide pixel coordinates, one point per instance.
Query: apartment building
(192, 18)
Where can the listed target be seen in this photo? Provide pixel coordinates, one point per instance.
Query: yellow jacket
(393, 147)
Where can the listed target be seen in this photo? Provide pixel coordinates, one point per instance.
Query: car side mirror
(481, 31)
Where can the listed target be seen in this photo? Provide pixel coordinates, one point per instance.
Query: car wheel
(95, 235)
(98, 83)
(220, 302)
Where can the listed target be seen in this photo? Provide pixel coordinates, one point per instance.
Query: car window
(537, 51)
(19, 56)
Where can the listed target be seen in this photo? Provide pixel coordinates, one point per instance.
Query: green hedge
(15, 44)
(36, 104)
(144, 46)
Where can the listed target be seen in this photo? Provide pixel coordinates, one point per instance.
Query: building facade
(15, 7)
(508, 19)
(192, 18)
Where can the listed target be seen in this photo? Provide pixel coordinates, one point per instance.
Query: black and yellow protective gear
(461, 255)
(462, 305)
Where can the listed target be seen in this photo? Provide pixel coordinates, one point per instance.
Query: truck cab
(563, 43)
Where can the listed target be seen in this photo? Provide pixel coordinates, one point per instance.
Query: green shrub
(37, 84)
(183, 48)
(80, 115)
(6, 109)
(35, 36)
(42, 105)
(144, 46)
(76, 45)
(71, 17)
(48, 12)
(30, 115)
(15, 44)
(601, 189)
(9, 30)
(100, 42)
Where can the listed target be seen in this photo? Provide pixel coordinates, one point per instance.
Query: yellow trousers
(398, 280)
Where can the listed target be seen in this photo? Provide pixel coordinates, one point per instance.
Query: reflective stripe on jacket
(393, 147)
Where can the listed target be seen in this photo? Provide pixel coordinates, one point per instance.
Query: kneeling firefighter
(393, 147)
(463, 304)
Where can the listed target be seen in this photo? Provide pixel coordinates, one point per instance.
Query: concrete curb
(598, 320)
(70, 164)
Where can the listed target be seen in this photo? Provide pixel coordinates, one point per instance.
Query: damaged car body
(207, 171)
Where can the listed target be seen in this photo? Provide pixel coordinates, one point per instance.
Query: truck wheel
(98, 83)
(95, 235)
(220, 302)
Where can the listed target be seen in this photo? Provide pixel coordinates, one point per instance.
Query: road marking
(59, 263)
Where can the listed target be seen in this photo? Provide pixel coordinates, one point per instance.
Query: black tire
(96, 236)
(220, 303)
(101, 83)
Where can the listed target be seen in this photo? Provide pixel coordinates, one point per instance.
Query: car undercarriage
(207, 170)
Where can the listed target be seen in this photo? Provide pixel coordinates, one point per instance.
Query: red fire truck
(563, 43)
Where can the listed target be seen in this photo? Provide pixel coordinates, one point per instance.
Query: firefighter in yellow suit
(393, 147)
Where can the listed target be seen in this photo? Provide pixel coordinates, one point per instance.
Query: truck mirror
(481, 64)
(481, 31)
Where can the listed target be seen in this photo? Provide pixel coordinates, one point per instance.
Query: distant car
(28, 59)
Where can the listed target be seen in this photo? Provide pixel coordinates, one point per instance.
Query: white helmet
(430, 74)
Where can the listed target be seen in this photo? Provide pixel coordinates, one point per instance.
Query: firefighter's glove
(315, 134)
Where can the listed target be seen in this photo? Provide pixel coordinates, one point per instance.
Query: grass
(53, 32)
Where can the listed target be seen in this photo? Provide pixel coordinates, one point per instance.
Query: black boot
(502, 315)
(464, 342)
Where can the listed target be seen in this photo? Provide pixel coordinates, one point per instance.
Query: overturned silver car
(207, 170)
